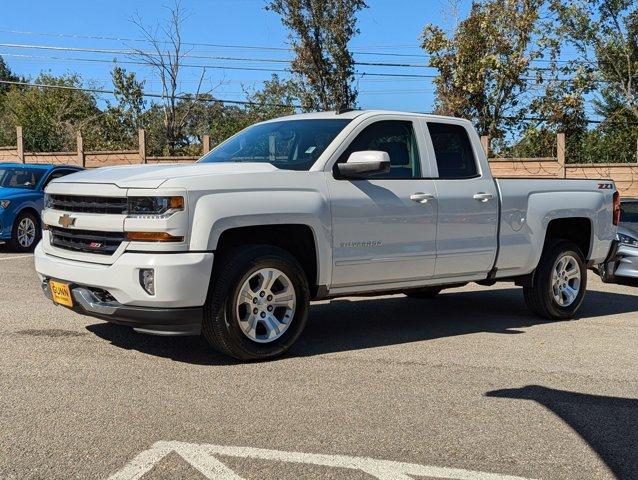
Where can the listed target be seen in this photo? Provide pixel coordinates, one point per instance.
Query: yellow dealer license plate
(61, 293)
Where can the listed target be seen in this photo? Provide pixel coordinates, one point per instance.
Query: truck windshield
(289, 144)
(20, 177)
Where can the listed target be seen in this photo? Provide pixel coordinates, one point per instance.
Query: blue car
(21, 201)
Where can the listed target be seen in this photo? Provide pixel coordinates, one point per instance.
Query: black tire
(423, 293)
(15, 243)
(220, 325)
(539, 294)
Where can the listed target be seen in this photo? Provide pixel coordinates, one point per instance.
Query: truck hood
(153, 176)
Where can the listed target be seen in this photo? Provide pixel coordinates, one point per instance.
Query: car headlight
(47, 201)
(627, 240)
(154, 207)
(4, 203)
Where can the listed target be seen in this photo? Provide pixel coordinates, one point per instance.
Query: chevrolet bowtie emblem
(66, 220)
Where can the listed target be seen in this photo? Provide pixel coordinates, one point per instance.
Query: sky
(390, 31)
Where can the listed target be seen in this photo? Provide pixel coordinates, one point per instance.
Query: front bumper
(627, 264)
(114, 293)
(621, 265)
(157, 321)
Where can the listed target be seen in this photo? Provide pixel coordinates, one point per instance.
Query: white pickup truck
(309, 207)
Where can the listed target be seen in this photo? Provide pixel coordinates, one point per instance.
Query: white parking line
(202, 458)
(15, 257)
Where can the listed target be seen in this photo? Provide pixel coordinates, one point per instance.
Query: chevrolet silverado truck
(308, 207)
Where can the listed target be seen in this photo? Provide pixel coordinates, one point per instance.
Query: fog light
(147, 280)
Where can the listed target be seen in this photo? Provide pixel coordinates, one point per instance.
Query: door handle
(421, 197)
(483, 197)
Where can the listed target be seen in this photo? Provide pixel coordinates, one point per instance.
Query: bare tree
(166, 57)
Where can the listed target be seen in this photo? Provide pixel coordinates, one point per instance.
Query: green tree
(483, 67)
(605, 34)
(6, 74)
(51, 117)
(7, 129)
(123, 118)
(277, 98)
(323, 67)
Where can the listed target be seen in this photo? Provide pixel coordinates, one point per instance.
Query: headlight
(47, 201)
(154, 207)
(626, 239)
(4, 203)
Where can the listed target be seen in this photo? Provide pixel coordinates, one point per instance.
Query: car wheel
(423, 293)
(559, 283)
(258, 303)
(26, 233)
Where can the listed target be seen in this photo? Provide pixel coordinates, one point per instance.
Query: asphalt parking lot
(468, 385)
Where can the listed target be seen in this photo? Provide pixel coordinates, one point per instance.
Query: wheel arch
(28, 208)
(577, 230)
(298, 239)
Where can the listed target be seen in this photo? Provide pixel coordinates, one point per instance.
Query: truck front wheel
(258, 303)
(558, 287)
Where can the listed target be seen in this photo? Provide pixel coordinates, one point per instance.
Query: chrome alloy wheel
(26, 232)
(565, 280)
(266, 305)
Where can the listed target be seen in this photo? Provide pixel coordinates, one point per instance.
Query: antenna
(341, 110)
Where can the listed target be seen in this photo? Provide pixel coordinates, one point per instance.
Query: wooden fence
(624, 174)
(92, 159)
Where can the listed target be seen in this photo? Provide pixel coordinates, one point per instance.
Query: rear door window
(453, 151)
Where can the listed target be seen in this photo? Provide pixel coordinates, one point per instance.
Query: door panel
(384, 227)
(468, 203)
(466, 233)
(379, 234)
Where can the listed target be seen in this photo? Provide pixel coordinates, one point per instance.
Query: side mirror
(361, 164)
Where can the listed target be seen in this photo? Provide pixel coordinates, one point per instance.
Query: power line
(210, 66)
(203, 44)
(190, 55)
(239, 47)
(200, 97)
(243, 68)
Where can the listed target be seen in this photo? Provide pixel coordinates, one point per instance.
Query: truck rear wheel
(559, 284)
(258, 303)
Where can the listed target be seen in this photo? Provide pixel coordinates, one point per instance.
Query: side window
(398, 140)
(57, 174)
(453, 150)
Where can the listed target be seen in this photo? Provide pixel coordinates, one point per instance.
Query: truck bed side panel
(528, 206)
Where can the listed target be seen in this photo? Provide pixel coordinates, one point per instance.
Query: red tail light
(616, 208)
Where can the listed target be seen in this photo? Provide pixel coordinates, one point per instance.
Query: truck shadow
(608, 424)
(353, 324)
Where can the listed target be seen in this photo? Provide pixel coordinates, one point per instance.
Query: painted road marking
(202, 458)
(13, 258)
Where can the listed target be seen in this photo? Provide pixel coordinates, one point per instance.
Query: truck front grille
(84, 204)
(101, 243)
